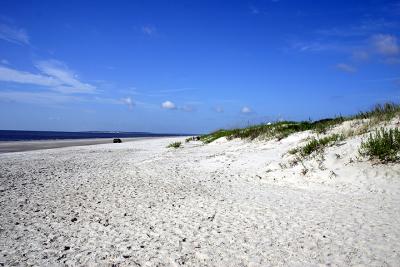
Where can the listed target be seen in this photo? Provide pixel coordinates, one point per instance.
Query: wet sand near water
(20, 146)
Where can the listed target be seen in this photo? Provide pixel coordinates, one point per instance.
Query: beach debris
(117, 140)
(211, 218)
(193, 138)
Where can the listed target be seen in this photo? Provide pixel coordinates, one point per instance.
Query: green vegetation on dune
(317, 145)
(277, 130)
(320, 144)
(383, 112)
(383, 145)
(208, 138)
(283, 129)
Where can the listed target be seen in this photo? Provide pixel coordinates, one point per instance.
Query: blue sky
(193, 66)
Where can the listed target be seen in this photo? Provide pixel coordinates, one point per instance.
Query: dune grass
(383, 145)
(282, 129)
(277, 130)
(175, 145)
(384, 112)
(320, 144)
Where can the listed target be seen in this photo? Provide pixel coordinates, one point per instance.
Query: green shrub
(175, 145)
(383, 145)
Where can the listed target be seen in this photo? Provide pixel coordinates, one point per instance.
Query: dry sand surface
(228, 203)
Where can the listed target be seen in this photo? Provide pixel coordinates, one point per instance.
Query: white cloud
(246, 110)
(128, 101)
(168, 105)
(346, 68)
(13, 34)
(54, 75)
(149, 30)
(385, 44)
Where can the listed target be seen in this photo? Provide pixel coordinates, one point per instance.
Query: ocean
(13, 135)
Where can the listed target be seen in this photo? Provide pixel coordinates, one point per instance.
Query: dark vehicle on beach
(117, 140)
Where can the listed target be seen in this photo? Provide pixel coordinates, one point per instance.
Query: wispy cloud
(219, 109)
(254, 10)
(128, 101)
(159, 93)
(13, 34)
(188, 108)
(68, 79)
(246, 110)
(168, 105)
(37, 98)
(53, 75)
(362, 29)
(346, 68)
(362, 43)
(177, 90)
(360, 39)
(5, 62)
(56, 99)
(385, 44)
(317, 46)
(12, 75)
(392, 60)
(360, 55)
(384, 79)
(149, 30)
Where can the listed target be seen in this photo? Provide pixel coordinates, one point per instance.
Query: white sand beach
(227, 203)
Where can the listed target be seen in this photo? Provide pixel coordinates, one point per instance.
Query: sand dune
(228, 203)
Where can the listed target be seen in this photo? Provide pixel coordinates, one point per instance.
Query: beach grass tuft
(382, 112)
(319, 144)
(175, 145)
(383, 145)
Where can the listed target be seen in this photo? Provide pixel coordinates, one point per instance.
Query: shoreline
(24, 146)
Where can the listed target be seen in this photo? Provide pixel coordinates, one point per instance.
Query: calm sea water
(12, 135)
